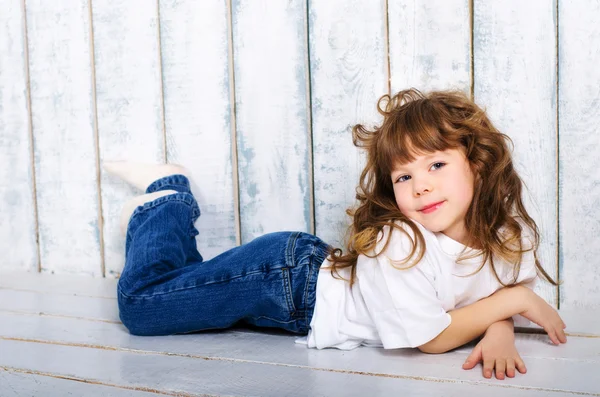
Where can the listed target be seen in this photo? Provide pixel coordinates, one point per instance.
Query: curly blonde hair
(423, 123)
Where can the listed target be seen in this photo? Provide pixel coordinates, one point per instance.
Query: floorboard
(57, 331)
(20, 383)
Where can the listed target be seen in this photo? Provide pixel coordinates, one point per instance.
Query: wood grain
(269, 52)
(430, 44)
(515, 78)
(17, 207)
(267, 347)
(129, 103)
(63, 130)
(63, 284)
(268, 353)
(64, 322)
(21, 383)
(231, 377)
(579, 138)
(195, 57)
(50, 304)
(348, 74)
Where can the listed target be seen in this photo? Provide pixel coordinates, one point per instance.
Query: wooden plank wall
(515, 78)
(579, 145)
(257, 98)
(18, 210)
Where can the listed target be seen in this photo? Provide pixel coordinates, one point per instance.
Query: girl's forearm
(473, 320)
(506, 325)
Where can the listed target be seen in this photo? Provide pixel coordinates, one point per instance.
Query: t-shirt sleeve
(403, 303)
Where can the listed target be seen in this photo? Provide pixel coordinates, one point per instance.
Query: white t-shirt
(397, 308)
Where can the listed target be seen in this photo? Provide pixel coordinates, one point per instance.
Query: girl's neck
(463, 239)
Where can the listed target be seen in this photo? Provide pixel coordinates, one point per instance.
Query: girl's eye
(437, 166)
(403, 178)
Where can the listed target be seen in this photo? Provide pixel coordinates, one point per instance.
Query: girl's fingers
(500, 368)
(473, 358)
(561, 336)
(510, 368)
(552, 336)
(557, 336)
(520, 365)
(469, 364)
(488, 367)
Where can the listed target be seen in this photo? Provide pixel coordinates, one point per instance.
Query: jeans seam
(272, 319)
(183, 197)
(161, 200)
(291, 247)
(308, 281)
(287, 284)
(290, 264)
(175, 180)
(194, 286)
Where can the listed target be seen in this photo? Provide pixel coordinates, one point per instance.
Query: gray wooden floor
(61, 336)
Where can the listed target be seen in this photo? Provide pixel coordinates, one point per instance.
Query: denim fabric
(167, 288)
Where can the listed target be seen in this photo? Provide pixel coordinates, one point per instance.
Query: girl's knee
(135, 323)
(130, 315)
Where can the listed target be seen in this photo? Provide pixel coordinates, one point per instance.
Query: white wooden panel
(48, 304)
(233, 377)
(17, 208)
(194, 37)
(129, 102)
(63, 131)
(63, 284)
(579, 138)
(240, 344)
(269, 52)
(21, 383)
(277, 350)
(430, 44)
(515, 78)
(348, 75)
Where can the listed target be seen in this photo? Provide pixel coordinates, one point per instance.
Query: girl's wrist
(504, 327)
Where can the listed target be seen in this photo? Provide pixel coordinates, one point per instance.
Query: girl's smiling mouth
(431, 207)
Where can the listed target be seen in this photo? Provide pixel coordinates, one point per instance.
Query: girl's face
(436, 190)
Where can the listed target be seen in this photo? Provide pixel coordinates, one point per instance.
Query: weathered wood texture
(198, 113)
(271, 99)
(579, 126)
(17, 383)
(515, 79)
(428, 49)
(62, 103)
(129, 103)
(242, 362)
(257, 100)
(348, 74)
(18, 227)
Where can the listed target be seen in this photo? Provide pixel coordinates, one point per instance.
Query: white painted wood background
(256, 98)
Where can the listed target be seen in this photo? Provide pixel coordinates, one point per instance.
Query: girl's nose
(421, 189)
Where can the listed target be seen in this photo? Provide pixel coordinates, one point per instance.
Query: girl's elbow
(430, 349)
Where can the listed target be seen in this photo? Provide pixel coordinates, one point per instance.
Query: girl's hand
(544, 315)
(497, 351)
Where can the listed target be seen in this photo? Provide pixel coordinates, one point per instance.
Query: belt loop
(290, 259)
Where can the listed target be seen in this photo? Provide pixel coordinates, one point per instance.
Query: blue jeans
(167, 288)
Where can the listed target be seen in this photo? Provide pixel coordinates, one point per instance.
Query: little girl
(441, 249)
